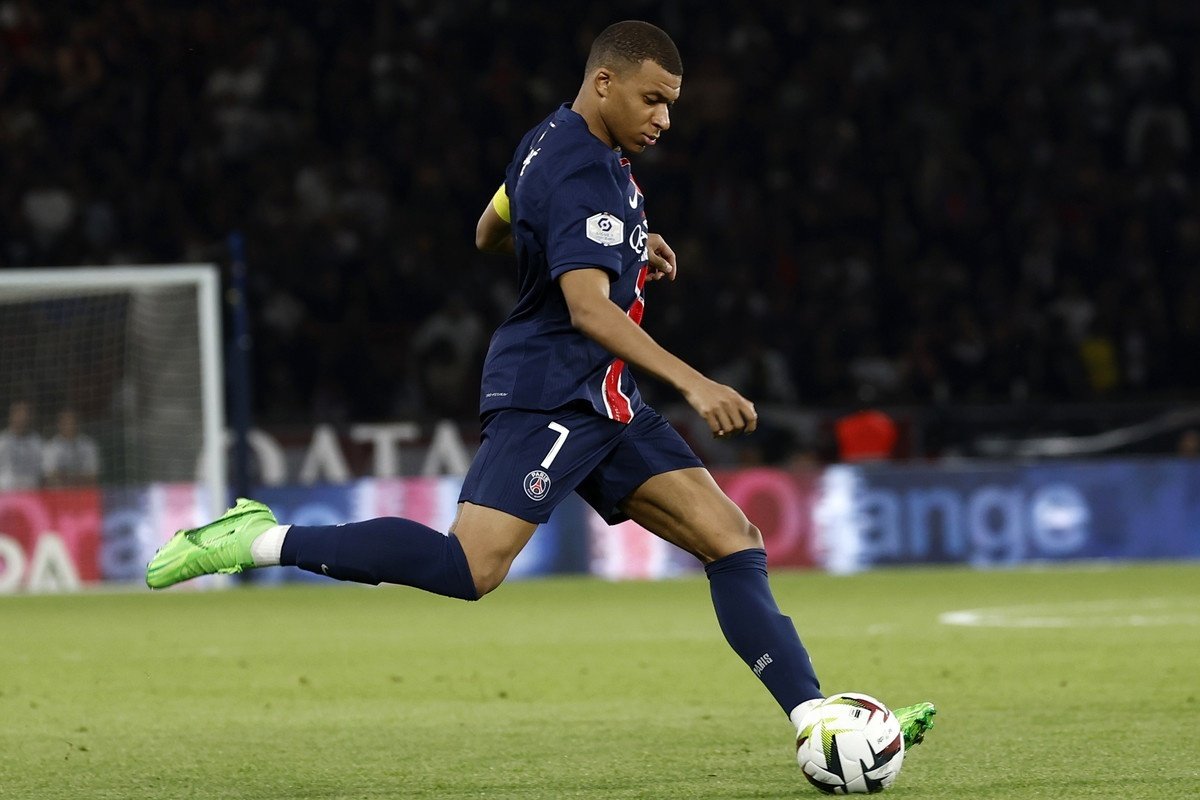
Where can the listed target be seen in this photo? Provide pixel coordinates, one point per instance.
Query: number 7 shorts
(529, 461)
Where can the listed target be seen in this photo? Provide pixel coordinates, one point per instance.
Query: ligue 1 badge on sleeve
(537, 484)
(605, 229)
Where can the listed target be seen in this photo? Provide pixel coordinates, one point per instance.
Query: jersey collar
(571, 118)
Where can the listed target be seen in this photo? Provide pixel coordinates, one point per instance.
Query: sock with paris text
(383, 550)
(754, 627)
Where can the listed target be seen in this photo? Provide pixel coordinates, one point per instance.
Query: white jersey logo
(533, 151)
(638, 239)
(605, 229)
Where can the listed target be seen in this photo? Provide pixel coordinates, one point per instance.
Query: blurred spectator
(448, 350)
(1189, 444)
(20, 450)
(876, 375)
(70, 458)
(758, 371)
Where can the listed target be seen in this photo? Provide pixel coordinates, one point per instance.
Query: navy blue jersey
(574, 205)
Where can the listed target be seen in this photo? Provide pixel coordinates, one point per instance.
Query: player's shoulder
(566, 148)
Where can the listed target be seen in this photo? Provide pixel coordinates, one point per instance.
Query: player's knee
(743, 533)
(737, 534)
(489, 576)
(486, 584)
(746, 536)
(752, 535)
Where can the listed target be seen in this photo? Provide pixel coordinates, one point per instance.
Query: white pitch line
(1143, 612)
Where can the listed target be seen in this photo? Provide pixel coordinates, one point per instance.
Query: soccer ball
(850, 744)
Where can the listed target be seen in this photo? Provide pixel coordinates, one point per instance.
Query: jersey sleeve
(585, 228)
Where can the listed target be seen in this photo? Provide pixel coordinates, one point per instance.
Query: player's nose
(661, 118)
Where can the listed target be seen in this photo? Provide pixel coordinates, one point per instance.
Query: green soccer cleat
(222, 546)
(915, 720)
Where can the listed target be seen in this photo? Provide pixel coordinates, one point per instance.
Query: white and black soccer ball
(850, 744)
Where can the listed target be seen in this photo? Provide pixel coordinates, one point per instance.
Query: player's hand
(662, 259)
(725, 411)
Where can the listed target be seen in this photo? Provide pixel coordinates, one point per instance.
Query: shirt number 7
(562, 437)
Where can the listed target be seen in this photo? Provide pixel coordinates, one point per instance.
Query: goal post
(135, 354)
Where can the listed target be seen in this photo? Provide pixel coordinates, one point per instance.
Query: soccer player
(560, 410)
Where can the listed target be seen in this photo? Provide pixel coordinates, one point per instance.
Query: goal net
(113, 377)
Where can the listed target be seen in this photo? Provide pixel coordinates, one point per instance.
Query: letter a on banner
(52, 569)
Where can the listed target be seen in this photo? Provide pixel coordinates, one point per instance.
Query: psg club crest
(537, 484)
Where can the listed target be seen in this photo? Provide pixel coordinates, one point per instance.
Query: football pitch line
(1136, 613)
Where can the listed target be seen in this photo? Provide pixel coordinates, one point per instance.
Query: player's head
(20, 416)
(632, 77)
(68, 423)
(627, 44)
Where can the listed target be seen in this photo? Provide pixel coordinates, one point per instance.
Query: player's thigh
(688, 509)
(491, 540)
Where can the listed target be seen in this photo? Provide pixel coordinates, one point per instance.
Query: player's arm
(493, 233)
(597, 317)
(662, 259)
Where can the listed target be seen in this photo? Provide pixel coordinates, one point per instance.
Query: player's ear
(602, 80)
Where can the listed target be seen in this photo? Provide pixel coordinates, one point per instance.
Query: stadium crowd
(993, 203)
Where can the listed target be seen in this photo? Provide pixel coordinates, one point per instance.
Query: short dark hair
(631, 42)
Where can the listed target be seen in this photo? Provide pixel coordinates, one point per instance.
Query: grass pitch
(1056, 683)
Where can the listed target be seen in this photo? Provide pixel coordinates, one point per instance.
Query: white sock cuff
(799, 712)
(266, 549)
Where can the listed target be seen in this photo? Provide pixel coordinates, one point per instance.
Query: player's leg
(467, 563)
(483, 542)
(688, 509)
(654, 478)
(526, 463)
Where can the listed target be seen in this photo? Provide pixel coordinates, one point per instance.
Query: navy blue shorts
(530, 460)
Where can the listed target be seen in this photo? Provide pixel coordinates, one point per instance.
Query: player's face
(636, 109)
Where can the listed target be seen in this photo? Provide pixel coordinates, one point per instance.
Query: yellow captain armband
(500, 203)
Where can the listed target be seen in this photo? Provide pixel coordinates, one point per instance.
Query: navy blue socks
(757, 631)
(384, 550)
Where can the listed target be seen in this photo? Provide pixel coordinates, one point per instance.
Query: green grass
(576, 688)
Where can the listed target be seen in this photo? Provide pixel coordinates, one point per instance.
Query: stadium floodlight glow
(135, 351)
